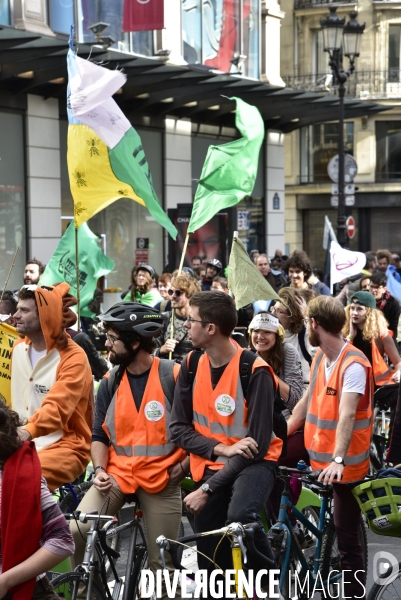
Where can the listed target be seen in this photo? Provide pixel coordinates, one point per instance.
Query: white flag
(328, 233)
(344, 263)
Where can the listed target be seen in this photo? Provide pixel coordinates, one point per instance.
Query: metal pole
(341, 233)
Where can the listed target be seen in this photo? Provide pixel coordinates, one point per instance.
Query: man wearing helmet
(131, 446)
(213, 268)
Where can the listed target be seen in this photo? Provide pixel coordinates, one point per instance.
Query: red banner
(143, 15)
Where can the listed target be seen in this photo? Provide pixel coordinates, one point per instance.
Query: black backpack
(166, 376)
(246, 361)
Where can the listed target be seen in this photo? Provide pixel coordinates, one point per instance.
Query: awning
(36, 64)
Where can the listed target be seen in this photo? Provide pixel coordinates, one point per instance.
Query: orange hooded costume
(56, 396)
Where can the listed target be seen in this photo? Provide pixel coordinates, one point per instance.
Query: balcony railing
(365, 85)
(300, 4)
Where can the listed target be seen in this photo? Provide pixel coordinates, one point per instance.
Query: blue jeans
(242, 502)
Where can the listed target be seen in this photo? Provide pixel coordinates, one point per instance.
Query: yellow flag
(93, 183)
(8, 335)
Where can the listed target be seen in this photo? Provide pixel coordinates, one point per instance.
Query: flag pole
(184, 251)
(77, 277)
(9, 274)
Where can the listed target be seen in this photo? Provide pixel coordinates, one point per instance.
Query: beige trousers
(161, 516)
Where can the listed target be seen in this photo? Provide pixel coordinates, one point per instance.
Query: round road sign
(350, 225)
(350, 168)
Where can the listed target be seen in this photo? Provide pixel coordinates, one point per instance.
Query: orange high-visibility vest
(141, 449)
(323, 415)
(381, 371)
(222, 413)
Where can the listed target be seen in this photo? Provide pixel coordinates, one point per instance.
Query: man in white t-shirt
(337, 413)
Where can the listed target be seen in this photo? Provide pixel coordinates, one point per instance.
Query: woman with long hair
(267, 337)
(290, 312)
(35, 536)
(367, 329)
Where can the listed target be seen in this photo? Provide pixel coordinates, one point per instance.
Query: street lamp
(337, 33)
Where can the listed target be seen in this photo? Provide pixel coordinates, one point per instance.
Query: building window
(388, 150)
(89, 12)
(321, 58)
(215, 33)
(5, 12)
(61, 15)
(319, 143)
(12, 199)
(394, 41)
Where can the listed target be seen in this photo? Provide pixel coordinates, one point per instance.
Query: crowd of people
(195, 387)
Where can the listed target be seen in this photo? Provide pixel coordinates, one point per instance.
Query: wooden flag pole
(77, 277)
(9, 274)
(184, 251)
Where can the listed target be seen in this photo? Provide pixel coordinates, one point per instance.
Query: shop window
(124, 222)
(385, 228)
(313, 228)
(388, 150)
(215, 33)
(12, 199)
(319, 143)
(5, 12)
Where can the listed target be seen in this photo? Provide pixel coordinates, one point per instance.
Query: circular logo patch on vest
(154, 410)
(225, 405)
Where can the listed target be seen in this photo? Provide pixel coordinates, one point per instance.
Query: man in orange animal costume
(51, 382)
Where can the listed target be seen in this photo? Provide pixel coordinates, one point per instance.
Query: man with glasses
(227, 431)
(388, 304)
(131, 447)
(174, 337)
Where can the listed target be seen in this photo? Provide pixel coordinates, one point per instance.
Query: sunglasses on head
(176, 292)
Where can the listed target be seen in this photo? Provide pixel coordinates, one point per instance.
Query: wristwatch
(338, 460)
(206, 489)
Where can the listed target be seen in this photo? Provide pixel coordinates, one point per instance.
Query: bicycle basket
(380, 502)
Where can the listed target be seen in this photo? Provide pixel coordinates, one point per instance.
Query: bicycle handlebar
(84, 517)
(236, 529)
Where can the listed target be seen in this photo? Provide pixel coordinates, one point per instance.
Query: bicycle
(90, 579)
(242, 542)
(294, 567)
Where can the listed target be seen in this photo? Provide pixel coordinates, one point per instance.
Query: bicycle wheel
(134, 587)
(71, 586)
(388, 591)
(68, 503)
(330, 555)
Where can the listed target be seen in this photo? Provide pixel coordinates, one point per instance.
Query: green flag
(244, 279)
(230, 170)
(92, 264)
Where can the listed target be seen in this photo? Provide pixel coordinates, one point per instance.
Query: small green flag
(229, 172)
(92, 264)
(245, 280)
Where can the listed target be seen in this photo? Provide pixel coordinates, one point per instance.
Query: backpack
(166, 376)
(246, 361)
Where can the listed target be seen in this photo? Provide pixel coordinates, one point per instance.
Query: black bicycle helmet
(133, 316)
(148, 268)
(214, 262)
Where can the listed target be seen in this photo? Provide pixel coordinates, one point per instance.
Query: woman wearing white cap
(267, 337)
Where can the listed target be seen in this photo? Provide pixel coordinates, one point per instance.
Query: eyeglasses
(112, 338)
(191, 320)
(306, 321)
(176, 292)
(278, 311)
